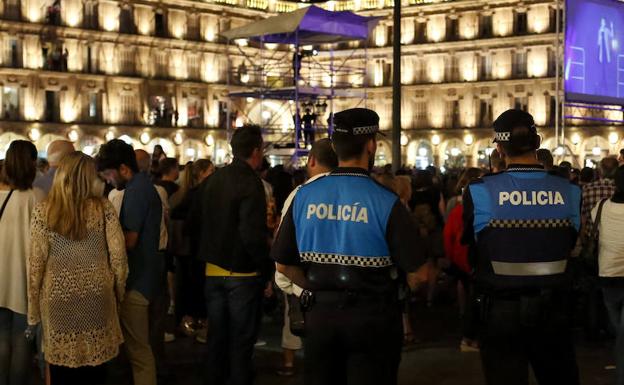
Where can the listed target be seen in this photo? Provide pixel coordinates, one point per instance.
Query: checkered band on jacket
(346, 260)
(529, 223)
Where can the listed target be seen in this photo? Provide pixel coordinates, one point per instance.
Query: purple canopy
(311, 25)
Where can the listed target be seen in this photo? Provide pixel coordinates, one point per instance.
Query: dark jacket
(228, 217)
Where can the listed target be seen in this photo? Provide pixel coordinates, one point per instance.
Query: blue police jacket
(525, 222)
(348, 233)
(341, 223)
(335, 213)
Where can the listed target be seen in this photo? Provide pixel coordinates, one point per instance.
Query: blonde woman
(78, 269)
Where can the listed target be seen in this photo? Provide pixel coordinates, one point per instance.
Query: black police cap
(356, 121)
(510, 119)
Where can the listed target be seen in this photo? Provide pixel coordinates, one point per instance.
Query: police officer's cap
(510, 119)
(357, 121)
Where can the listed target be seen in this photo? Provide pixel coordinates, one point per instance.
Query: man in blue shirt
(522, 225)
(140, 217)
(343, 240)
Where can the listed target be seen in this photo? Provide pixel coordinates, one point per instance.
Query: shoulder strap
(5, 203)
(594, 232)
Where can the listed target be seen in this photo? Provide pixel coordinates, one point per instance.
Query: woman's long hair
(20, 166)
(190, 178)
(75, 185)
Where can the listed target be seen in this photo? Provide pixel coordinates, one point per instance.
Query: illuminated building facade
(157, 73)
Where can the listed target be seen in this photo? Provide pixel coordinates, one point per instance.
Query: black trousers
(355, 344)
(190, 277)
(308, 136)
(84, 375)
(528, 331)
(234, 308)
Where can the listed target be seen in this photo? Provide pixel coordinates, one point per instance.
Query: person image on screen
(605, 36)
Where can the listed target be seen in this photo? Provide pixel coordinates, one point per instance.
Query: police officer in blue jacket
(522, 225)
(342, 240)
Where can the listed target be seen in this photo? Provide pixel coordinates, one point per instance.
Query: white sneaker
(169, 337)
(202, 335)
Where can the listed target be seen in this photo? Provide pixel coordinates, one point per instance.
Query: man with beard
(342, 240)
(140, 217)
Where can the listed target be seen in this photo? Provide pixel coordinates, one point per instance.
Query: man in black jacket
(230, 215)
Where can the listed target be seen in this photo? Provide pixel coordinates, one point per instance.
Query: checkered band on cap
(365, 130)
(502, 136)
(346, 260)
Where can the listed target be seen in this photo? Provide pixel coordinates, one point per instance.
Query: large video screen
(594, 51)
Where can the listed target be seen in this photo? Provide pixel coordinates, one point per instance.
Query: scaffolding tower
(294, 74)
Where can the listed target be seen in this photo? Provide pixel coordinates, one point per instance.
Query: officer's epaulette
(480, 180)
(491, 173)
(310, 183)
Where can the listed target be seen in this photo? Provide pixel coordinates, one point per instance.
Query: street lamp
(575, 139)
(614, 138)
(404, 140)
(34, 134)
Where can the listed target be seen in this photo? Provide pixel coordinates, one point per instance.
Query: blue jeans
(15, 350)
(234, 307)
(614, 301)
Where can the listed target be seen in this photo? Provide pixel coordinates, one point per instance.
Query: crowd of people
(97, 252)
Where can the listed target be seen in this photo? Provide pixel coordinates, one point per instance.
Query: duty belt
(351, 297)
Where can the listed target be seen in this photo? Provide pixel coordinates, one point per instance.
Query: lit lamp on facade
(614, 138)
(145, 138)
(422, 152)
(72, 135)
(468, 139)
(110, 135)
(110, 23)
(177, 138)
(596, 151)
(404, 140)
(34, 134)
(435, 140)
(575, 139)
(72, 18)
(209, 140)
